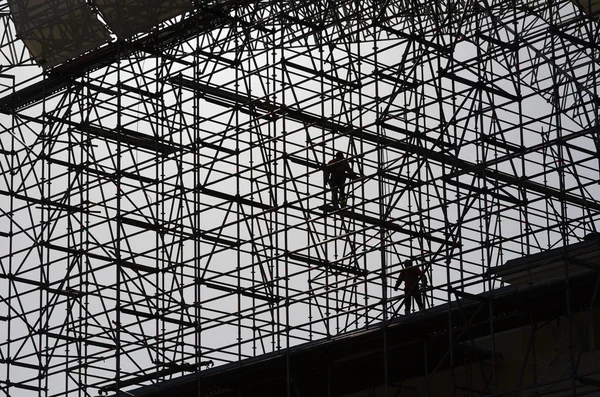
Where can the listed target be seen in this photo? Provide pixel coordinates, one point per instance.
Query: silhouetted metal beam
(320, 73)
(234, 198)
(482, 191)
(417, 135)
(270, 108)
(326, 264)
(125, 264)
(480, 85)
(506, 45)
(23, 386)
(43, 202)
(466, 167)
(389, 225)
(482, 171)
(241, 291)
(108, 175)
(416, 38)
(303, 162)
(85, 340)
(197, 234)
(22, 365)
(41, 285)
(124, 135)
(151, 316)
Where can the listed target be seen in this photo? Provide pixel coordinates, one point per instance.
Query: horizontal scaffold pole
(389, 225)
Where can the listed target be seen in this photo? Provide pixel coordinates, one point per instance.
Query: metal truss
(161, 198)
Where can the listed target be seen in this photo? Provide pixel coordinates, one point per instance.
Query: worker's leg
(334, 193)
(335, 196)
(418, 295)
(343, 193)
(407, 302)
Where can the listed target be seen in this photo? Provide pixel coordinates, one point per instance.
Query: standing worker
(412, 290)
(335, 175)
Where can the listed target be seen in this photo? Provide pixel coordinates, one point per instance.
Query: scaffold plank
(234, 198)
(319, 73)
(506, 45)
(404, 84)
(215, 147)
(414, 184)
(417, 135)
(139, 91)
(23, 386)
(210, 55)
(95, 87)
(22, 365)
(161, 229)
(44, 202)
(416, 38)
(480, 85)
(268, 107)
(304, 162)
(161, 54)
(575, 40)
(241, 291)
(73, 339)
(122, 135)
(240, 108)
(108, 175)
(124, 263)
(69, 292)
(307, 23)
(150, 316)
(410, 183)
(484, 172)
(508, 146)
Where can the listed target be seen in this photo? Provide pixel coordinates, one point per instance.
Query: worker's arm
(424, 278)
(399, 280)
(353, 175)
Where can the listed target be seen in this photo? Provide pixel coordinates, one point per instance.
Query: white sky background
(173, 292)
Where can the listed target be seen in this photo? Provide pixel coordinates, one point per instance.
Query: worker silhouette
(335, 175)
(412, 290)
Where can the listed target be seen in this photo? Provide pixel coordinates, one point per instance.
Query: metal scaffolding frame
(162, 198)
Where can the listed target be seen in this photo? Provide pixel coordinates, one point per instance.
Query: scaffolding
(162, 203)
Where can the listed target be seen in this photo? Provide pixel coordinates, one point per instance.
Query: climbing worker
(335, 175)
(411, 276)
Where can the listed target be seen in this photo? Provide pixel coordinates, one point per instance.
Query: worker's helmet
(408, 263)
(339, 155)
